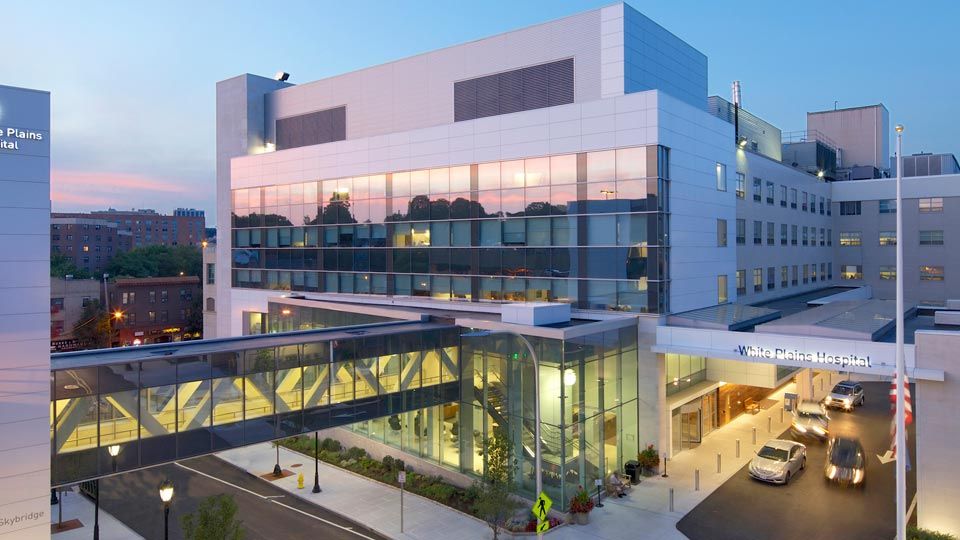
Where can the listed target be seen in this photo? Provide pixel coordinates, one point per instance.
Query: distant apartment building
(185, 227)
(68, 298)
(154, 310)
(89, 243)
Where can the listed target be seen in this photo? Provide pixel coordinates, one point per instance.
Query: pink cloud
(94, 180)
(64, 198)
(81, 190)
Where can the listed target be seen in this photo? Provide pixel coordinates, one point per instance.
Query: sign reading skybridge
(795, 355)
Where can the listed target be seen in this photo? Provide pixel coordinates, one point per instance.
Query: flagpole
(901, 428)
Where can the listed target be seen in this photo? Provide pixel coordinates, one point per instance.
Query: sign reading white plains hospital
(11, 137)
(794, 355)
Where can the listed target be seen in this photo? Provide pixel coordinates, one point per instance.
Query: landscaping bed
(435, 488)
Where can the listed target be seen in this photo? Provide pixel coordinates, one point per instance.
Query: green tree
(61, 265)
(157, 261)
(215, 519)
(494, 501)
(94, 326)
(195, 320)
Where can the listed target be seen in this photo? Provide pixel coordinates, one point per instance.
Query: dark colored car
(846, 461)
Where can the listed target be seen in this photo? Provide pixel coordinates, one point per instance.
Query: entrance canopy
(837, 336)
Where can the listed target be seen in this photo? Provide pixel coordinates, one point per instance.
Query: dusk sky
(133, 84)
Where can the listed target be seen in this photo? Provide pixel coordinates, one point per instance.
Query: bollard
(754, 436)
(696, 479)
(300, 481)
(665, 459)
(671, 499)
(738, 448)
(718, 462)
(769, 424)
(781, 414)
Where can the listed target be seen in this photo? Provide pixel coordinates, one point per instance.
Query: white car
(810, 420)
(778, 461)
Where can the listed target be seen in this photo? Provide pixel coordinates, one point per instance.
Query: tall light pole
(537, 457)
(166, 495)
(316, 462)
(901, 428)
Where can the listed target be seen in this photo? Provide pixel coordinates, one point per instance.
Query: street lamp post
(166, 495)
(316, 462)
(114, 451)
(277, 471)
(96, 509)
(536, 404)
(901, 428)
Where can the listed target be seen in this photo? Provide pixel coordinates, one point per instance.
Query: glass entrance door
(708, 405)
(690, 425)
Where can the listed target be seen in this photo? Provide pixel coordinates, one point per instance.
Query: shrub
(581, 503)
(389, 462)
(438, 492)
(355, 453)
(331, 445)
(649, 458)
(915, 533)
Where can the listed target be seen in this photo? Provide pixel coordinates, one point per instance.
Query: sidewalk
(360, 499)
(646, 508)
(76, 506)
(643, 513)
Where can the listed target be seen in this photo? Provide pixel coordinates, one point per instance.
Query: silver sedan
(778, 461)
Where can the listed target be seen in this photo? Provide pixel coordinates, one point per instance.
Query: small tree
(94, 326)
(215, 519)
(494, 501)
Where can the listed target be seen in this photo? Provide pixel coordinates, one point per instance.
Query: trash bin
(632, 469)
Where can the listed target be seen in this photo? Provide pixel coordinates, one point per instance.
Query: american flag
(907, 411)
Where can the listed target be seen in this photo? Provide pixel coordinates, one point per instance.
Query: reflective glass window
(601, 166)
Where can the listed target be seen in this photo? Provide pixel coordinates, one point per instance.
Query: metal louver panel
(534, 87)
(312, 128)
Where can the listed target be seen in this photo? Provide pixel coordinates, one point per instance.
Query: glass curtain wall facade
(588, 400)
(589, 229)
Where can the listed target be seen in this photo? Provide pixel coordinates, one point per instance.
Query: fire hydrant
(300, 481)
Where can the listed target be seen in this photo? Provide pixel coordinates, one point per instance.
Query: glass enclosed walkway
(115, 410)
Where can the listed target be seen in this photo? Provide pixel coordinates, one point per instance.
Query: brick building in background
(68, 297)
(89, 243)
(185, 227)
(155, 310)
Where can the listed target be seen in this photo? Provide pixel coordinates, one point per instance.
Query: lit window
(888, 238)
(888, 272)
(850, 238)
(931, 273)
(741, 185)
(721, 177)
(931, 204)
(851, 271)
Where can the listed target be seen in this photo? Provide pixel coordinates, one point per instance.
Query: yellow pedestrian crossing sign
(541, 508)
(543, 526)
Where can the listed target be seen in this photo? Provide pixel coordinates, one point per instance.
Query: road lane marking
(272, 498)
